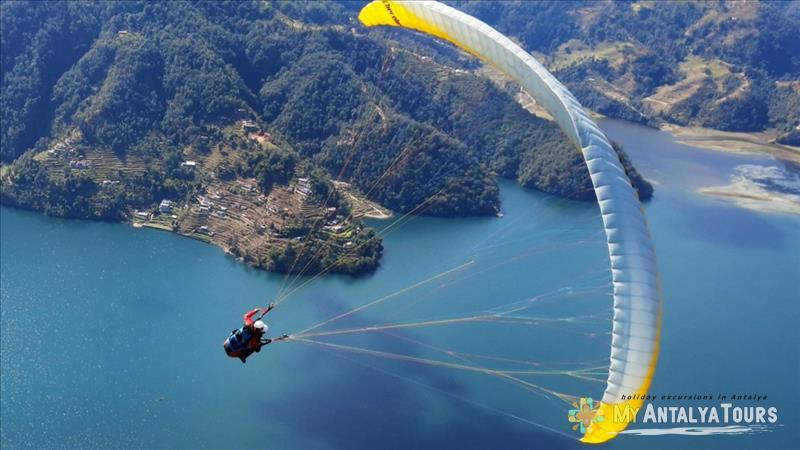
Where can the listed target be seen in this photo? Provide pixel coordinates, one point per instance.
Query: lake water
(111, 336)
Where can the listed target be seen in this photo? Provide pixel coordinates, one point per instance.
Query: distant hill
(726, 65)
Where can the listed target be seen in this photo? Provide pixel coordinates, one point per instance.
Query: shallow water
(111, 336)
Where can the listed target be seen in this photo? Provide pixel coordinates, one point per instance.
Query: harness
(238, 340)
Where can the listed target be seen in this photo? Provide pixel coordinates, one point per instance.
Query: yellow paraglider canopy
(637, 296)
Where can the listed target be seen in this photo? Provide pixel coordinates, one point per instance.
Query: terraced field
(100, 165)
(696, 71)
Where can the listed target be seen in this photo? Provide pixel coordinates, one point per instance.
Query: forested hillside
(725, 65)
(162, 81)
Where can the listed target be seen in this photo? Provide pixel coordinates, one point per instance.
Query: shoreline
(768, 189)
(751, 187)
(762, 187)
(750, 196)
(736, 142)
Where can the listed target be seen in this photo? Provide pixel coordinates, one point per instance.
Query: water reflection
(402, 408)
(728, 225)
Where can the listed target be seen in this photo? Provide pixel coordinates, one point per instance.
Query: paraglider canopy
(637, 297)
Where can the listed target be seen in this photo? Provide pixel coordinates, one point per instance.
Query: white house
(165, 206)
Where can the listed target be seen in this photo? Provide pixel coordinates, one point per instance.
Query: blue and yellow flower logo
(586, 413)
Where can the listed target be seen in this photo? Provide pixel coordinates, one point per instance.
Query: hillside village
(236, 214)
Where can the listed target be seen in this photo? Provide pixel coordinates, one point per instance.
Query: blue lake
(111, 336)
